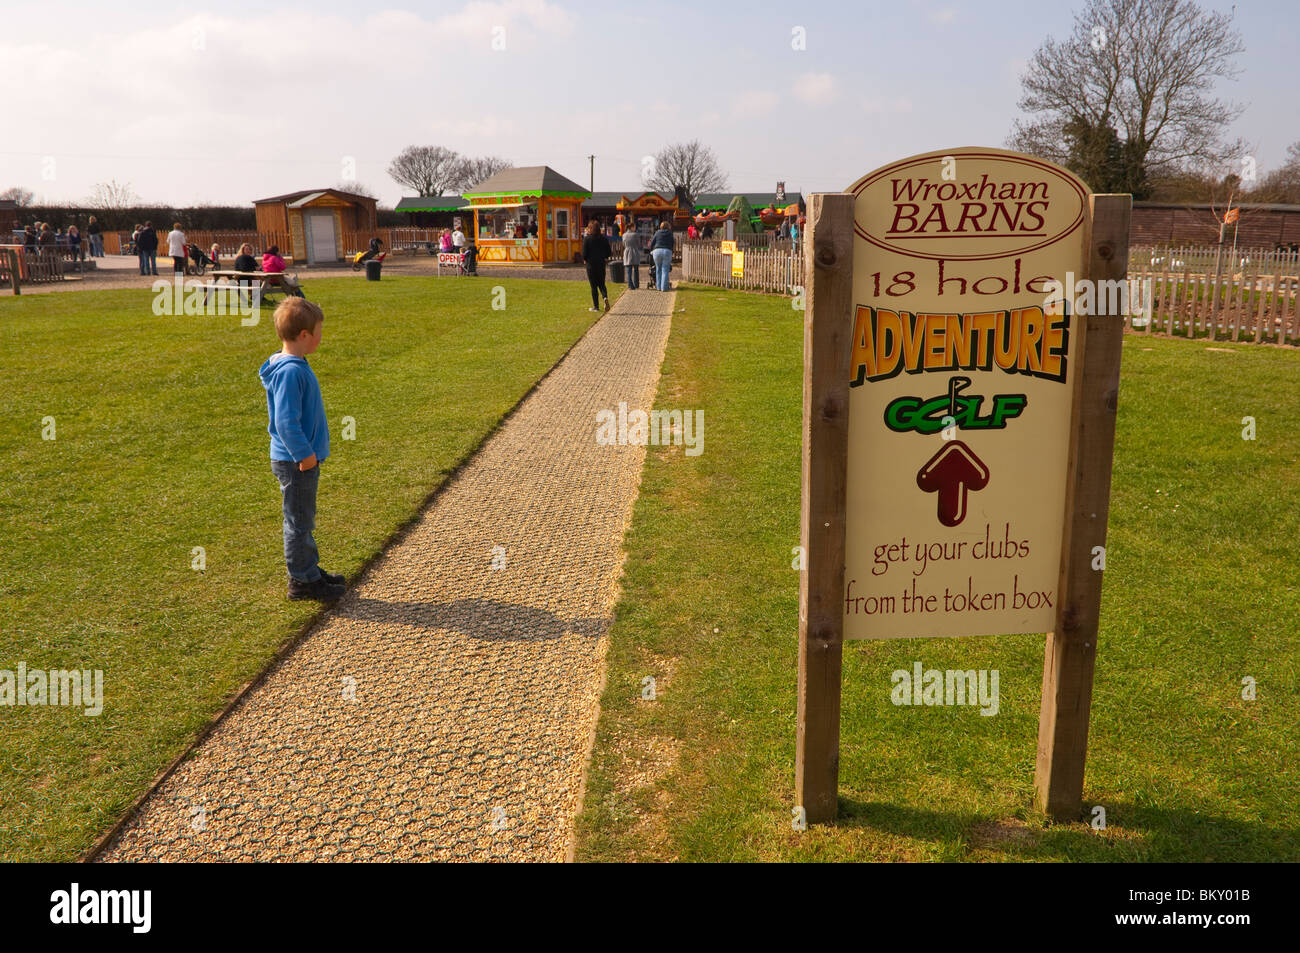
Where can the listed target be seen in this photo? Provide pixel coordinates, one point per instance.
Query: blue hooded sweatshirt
(296, 410)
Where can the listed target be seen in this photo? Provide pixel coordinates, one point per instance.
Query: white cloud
(754, 102)
(941, 17)
(815, 88)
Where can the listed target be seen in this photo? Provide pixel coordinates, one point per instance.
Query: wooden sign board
(960, 393)
(961, 374)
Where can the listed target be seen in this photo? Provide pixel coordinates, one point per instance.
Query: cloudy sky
(254, 99)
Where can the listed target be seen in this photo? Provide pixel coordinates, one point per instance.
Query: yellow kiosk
(527, 216)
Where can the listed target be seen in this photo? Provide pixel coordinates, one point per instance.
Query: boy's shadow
(488, 619)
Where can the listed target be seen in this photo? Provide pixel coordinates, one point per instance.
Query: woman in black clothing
(595, 252)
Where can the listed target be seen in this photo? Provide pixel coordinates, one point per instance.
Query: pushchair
(199, 260)
(360, 258)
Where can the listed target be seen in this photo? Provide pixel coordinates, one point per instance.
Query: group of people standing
(596, 252)
(457, 242)
(42, 235)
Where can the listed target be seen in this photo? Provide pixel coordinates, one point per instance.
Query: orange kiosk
(527, 216)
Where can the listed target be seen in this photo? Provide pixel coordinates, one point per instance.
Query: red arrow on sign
(950, 473)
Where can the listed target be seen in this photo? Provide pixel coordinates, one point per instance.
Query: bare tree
(429, 170)
(356, 188)
(1283, 183)
(474, 171)
(112, 196)
(1141, 71)
(20, 196)
(690, 165)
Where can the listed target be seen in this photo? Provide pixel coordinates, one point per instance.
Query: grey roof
(429, 203)
(759, 200)
(296, 196)
(529, 178)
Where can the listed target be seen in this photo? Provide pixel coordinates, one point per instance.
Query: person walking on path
(596, 252)
(632, 243)
(661, 251)
(96, 238)
(458, 241)
(146, 246)
(300, 441)
(176, 248)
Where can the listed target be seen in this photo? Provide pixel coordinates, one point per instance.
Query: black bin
(373, 268)
(616, 271)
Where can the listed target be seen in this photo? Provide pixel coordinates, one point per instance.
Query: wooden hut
(314, 221)
(527, 216)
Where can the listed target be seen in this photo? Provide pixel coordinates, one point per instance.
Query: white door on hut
(320, 237)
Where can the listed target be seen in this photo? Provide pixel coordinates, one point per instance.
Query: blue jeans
(298, 488)
(663, 259)
(633, 276)
(148, 263)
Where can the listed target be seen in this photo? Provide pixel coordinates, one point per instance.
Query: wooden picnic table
(265, 280)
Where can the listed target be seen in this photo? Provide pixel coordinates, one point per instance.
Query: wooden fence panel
(765, 269)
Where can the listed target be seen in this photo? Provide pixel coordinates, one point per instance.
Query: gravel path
(444, 709)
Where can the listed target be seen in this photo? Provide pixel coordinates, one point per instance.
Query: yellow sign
(728, 248)
(961, 387)
(738, 265)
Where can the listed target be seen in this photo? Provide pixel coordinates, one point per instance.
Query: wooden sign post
(1072, 645)
(827, 333)
(957, 443)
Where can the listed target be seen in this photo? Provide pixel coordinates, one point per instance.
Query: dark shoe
(322, 590)
(333, 578)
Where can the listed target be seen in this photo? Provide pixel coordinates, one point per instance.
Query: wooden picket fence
(1252, 298)
(765, 269)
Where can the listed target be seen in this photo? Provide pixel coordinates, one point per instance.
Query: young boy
(300, 440)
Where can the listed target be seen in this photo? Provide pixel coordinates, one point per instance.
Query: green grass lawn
(160, 447)
(1201, 591)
